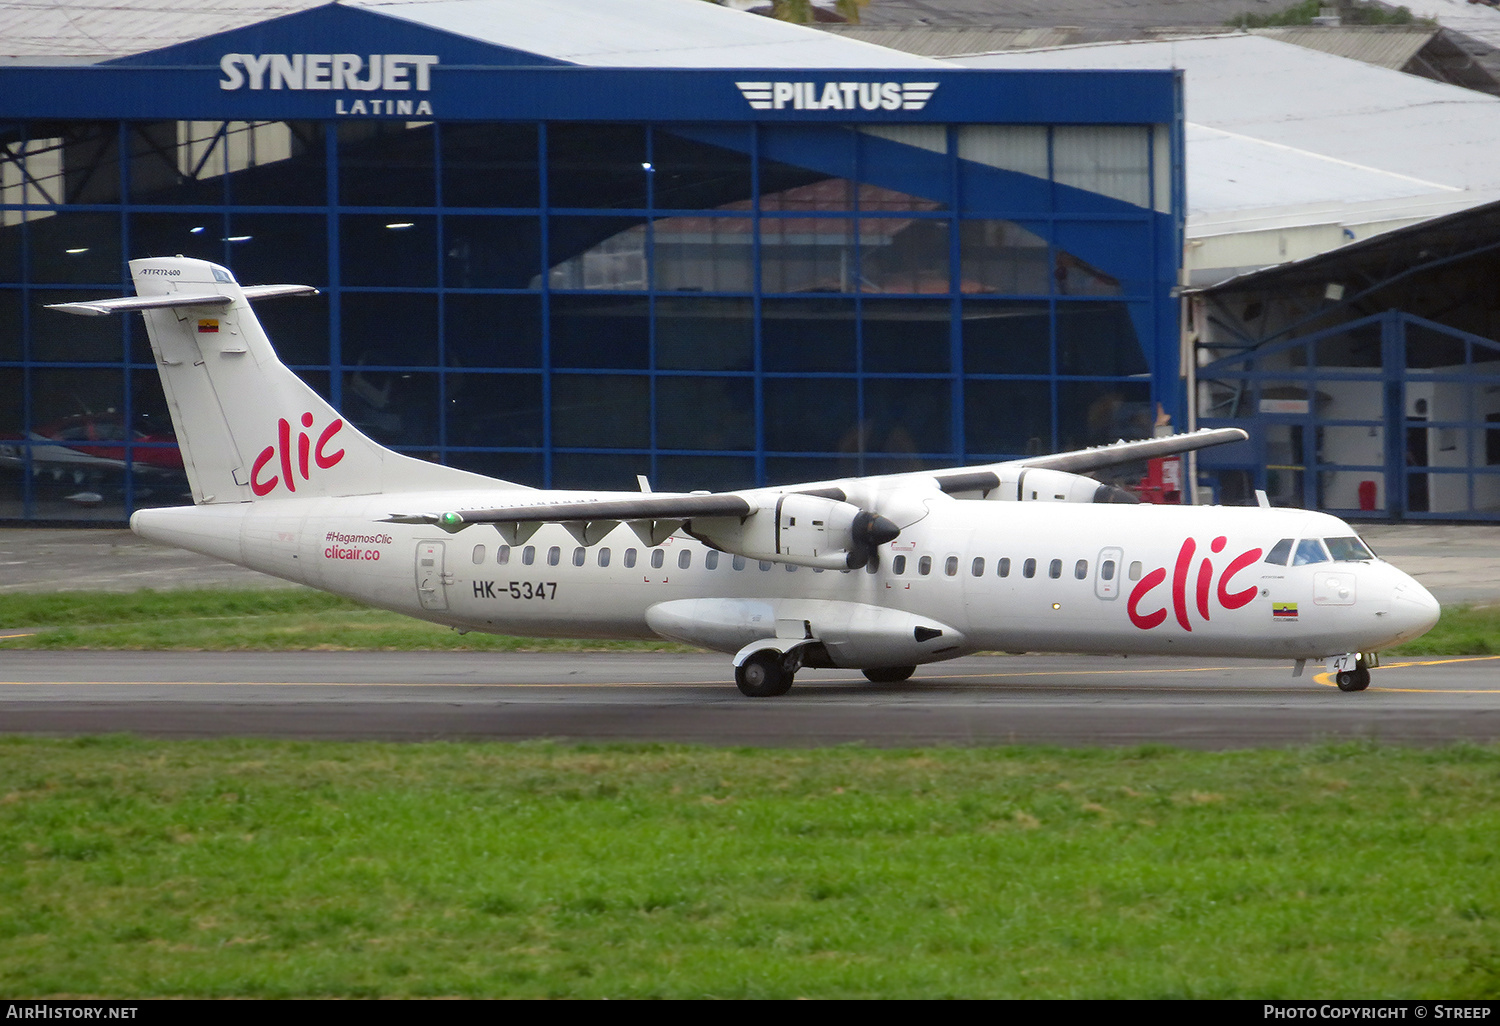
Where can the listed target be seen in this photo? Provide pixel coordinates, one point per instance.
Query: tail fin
(248, 427)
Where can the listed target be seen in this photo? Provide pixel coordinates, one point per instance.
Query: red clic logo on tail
(1203, 591)
(305, 448)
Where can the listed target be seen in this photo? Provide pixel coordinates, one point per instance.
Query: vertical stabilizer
(248, 427)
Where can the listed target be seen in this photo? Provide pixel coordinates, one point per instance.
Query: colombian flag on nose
(207, 325)
(1284, 610)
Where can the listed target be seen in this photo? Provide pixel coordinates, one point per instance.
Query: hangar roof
(603, 33)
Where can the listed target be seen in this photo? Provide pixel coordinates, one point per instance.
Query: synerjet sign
(837, 95)
(336, 72)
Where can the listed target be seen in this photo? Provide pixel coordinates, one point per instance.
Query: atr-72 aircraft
(878, 574)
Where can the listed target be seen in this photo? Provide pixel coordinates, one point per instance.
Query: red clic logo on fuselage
(1204, 590)
(305, 448)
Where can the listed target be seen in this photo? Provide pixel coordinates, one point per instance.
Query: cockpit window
(1347, 550)
(1309, 550)
(1279, 552)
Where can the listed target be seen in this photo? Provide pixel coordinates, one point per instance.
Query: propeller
(868, 532)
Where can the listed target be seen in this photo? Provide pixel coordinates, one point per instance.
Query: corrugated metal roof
(609, 33)
(1117, 14)
(1388, 46)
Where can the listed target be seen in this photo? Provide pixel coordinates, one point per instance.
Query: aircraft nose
(1413, 608)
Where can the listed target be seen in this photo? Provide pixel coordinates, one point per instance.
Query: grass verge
(303, 619)
(258, 868)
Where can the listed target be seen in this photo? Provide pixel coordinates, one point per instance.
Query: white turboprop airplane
(879, 574)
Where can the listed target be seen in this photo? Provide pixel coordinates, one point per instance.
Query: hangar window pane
(903, 255)
(493, 165)
(705, 334)
(488, 330)
(601, 411)
(705, 413)
(907, 335)
(1003, 256)
(299, 330)
(265, 248)
(1101, 258)
(62, 337)
(395, 407)
(907, 415)
(10, 325)
(494, 409)
(716, 473)
(801, 469)
(491, 252)
(386, 164)
(1007, 418)
(161, 169)
(807, 168)
(81, 247)
(1021, 148)
(703, 254)
(388, 249)
(390, 329)
(807, 334)
(522, 467)
(1100, 339)
(698, 167)
(10, 233)
(811, 415)
(297, 147)
(600, 331)
(1098, 412)
(82, 165)
(596, 253)
(1113, 160)
(807, 254)
(1002, 337)
(904, 167)
(587, 470)
(596, 166)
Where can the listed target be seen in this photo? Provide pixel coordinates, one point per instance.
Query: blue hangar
(567, 243)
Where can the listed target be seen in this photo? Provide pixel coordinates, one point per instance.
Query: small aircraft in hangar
(879, 574)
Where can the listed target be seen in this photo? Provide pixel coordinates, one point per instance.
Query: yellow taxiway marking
(1326, 678)
(20, 634)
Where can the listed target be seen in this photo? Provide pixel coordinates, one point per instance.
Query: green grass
(302, 619)
(258, 868)
(224, 620)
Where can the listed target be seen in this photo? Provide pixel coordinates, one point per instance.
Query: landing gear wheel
(1353, 680)
(888, 674)
(763, 675)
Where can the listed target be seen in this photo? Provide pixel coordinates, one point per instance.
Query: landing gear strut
(764, 674)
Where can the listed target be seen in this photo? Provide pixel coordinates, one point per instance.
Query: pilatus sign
(837, 95)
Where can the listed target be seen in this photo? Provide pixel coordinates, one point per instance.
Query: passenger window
(710, 560)
(502, 555)
(764, 564)
(738, 562)
(1348, 550)
(579, 555)
(554, 556)
(629, 558)
(1003, 567)
(1107, 570)
(1081, 569)
(1309, 550)
(1054, 569)
(950, 566)
(872, 565)
(684, 559)
(924, 565)
(658, 557)
(1028, 568)
(478, 554)
(528, 555)
(1135, 570)
(977, 567)
(1279, 552)
(790, 567)
(604, 557)
(898, 565)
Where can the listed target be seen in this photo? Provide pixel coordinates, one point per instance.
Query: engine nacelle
(1038, 484)
(808, 530)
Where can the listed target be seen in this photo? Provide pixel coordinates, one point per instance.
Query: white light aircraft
(878, 574)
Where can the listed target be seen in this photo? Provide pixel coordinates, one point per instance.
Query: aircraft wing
(1081, 461)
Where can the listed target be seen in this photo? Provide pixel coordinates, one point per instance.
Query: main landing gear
(764, 674)
(888, 674)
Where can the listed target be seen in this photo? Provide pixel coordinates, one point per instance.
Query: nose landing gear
(1352, 672)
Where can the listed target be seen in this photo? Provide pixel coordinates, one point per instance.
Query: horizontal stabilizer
(104, 307)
